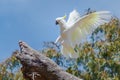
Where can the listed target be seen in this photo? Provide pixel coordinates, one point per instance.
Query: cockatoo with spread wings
(77, 28)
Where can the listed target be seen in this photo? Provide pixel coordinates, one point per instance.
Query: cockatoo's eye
(56, 23)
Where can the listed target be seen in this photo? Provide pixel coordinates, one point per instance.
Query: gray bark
(36, 66)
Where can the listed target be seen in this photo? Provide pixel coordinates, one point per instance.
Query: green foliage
(99, 57)
(10, 70)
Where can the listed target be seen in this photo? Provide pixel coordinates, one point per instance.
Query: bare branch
(36, 66)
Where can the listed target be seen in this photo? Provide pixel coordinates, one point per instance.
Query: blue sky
(33, 21)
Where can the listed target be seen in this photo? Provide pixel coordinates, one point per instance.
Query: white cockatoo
(77, 28)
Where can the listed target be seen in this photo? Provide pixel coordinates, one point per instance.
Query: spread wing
(73, 17)
(85, 26)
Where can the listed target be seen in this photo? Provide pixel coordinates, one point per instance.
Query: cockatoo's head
(60, 20)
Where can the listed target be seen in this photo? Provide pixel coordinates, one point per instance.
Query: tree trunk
(36, 66)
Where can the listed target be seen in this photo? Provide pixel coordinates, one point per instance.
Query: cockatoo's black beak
(56, 23)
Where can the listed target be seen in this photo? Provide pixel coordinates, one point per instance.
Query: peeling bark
(36, 66)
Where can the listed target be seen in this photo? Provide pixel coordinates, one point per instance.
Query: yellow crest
(64, 17)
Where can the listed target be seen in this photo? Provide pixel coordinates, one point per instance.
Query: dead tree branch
(36, 66)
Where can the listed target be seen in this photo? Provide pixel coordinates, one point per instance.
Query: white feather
(73, 17)
(78, 28)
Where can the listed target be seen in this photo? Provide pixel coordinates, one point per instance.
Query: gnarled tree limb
(36, 66)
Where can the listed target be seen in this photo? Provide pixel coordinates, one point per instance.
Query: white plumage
(78, 28)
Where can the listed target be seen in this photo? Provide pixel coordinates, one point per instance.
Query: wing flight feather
(86, 25)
